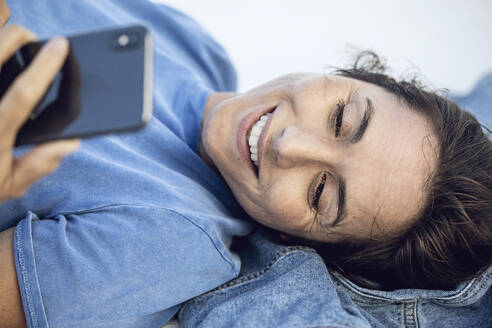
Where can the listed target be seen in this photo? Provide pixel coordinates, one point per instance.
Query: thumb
(39, 162)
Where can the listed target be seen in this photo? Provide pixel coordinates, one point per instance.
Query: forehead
(386, 171)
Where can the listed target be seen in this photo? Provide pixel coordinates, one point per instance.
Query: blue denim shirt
(289, 286)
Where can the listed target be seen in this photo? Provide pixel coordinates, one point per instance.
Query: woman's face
(335, 156)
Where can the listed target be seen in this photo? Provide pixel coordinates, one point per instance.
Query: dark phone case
(104, 86)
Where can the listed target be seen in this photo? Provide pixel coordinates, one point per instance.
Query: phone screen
(101, 88)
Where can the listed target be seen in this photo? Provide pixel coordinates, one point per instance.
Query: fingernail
(65, 147)
(57, 44)
(72, 145)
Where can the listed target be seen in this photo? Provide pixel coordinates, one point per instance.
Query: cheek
(283, 207)
(215, 131)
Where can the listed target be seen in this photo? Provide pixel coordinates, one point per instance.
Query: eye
(318, 192)
(338, 117)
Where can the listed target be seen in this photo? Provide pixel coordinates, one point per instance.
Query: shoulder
(179, 39)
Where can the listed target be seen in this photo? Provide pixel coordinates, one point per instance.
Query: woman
(143, 224)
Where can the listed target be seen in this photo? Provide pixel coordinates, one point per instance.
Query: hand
(18, 174)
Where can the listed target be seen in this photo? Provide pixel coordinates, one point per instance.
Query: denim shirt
(289, 286)
(468, 305)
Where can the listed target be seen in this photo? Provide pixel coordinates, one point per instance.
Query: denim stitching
(258, 274)
(208, 235)
(96, 209)
(331, 326)
(414, 309)
(362, 303)
(472, 288)
(99, 208)
(253, 275)
(479, 288)
(338, 326)
(408, 320)
(27, 285)
(369, 299)
(410, 316)
(404, 311)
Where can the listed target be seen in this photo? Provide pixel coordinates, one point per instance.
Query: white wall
(449, 41)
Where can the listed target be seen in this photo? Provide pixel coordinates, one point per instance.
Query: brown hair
(451, 239)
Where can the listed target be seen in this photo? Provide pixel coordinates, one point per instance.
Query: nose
(296, 146)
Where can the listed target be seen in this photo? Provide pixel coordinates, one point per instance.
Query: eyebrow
(341, 211)
(365, 122)
(341, 203)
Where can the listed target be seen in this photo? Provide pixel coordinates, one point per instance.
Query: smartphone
(104, 86)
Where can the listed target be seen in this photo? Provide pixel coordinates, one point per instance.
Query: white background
(449, 43)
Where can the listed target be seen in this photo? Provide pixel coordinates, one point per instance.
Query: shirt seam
(254, 275)
(99, 208)
(27, 284)
(479, 288)
(473, 287)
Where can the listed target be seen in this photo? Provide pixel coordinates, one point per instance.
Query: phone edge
(147, 96)
(148, 80)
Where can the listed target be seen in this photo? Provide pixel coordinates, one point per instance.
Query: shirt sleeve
(117, 266)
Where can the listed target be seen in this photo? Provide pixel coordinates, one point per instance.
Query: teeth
(253, 141)
(253, 137)
(256, 130)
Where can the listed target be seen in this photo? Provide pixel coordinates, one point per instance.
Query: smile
(254, 135)
(251, 155)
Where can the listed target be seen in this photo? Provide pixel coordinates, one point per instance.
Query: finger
(39, 162)
(4, 13)
(13, 37)
(30, 85)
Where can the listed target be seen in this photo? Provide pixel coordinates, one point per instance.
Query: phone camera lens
(123, 40)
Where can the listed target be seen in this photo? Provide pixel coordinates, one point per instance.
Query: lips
(242, 136)
(262, 137)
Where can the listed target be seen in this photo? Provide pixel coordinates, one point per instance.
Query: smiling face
(334, 157)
